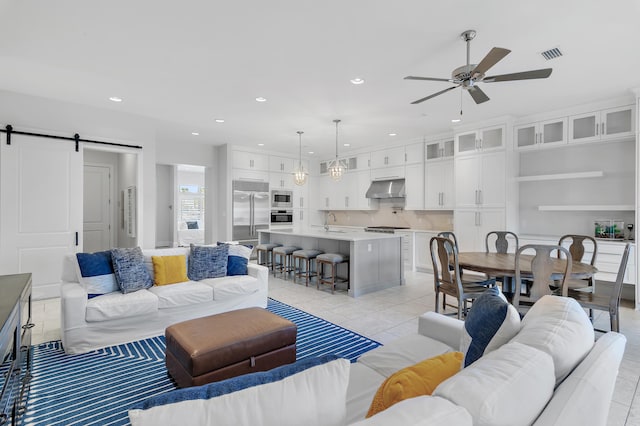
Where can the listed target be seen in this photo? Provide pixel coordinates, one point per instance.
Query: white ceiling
(187, 63)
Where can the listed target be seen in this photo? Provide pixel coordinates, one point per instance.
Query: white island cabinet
(375, 259)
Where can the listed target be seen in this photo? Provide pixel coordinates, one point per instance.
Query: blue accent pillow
(491, 322)
(207, 262)
(96, 273)
(234, 384)
(238, 259)
(130, 271)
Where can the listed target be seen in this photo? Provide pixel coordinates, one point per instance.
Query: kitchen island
(375, 259)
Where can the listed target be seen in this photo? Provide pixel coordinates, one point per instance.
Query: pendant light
(299, 173)
(336, 168)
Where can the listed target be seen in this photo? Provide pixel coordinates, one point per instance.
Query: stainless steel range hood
(388, 188)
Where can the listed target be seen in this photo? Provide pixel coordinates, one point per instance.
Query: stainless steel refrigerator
(250, 210)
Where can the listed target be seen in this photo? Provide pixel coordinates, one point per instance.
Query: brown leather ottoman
(221, 346)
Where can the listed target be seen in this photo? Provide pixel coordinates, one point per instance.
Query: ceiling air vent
(551, 53)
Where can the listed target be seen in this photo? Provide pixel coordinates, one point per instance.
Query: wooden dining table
(504, 265)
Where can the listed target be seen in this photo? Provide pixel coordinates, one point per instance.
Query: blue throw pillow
(207, 262)
(491, 322)
(130, 271)
(96, 273)
(234, 384)
(238, 258)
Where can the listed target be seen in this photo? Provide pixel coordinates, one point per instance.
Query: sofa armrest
(73, 300)
(441, 328)
(260, 272)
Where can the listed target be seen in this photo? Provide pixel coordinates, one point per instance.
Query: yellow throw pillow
(416, 380)
(169, 269)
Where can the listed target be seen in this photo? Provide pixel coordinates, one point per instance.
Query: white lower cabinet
(471, 227)
(422, 253)
(407, 249)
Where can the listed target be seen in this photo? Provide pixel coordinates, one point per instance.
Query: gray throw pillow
(207, 262)
(128, 266)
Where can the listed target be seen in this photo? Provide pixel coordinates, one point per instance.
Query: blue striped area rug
(97, 388)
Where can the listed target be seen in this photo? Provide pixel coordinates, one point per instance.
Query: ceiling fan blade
(477, 94)
(493, 57)
(411, 77)
(525, 75)
(433, 96)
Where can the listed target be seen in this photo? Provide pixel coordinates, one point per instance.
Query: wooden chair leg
(437, 301)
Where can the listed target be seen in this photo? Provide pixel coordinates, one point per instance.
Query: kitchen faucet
(326, 220)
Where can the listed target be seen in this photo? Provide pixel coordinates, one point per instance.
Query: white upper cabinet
(438, 186)
(280, 181)
(482, 140)
(541, 134)
(281, 164)
(480, 181)
(439, 150)
(388, 173)
(363, 179)
(414, 187)
(387, 157)
(250, 161)
(604, 124)
(414, 153)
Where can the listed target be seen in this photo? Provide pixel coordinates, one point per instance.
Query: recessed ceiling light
(346, 144)
(311, 152)
(195, 133)
(393, 134)
(115, 99)
(260, 144)
(261, 99)
(357, 80)
(219, 120)
(455, 120)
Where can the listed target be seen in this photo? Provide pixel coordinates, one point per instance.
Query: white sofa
(116, 318)
(550, 373)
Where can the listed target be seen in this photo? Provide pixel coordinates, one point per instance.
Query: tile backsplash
(389, 215)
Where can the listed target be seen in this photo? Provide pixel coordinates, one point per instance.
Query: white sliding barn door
(41, 208)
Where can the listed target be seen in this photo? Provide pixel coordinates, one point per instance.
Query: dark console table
(15, 345)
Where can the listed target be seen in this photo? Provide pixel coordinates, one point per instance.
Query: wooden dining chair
(609, 302)
(501, 245)
(448, 281)
(451, 236)
(578, 251)
(541, 280)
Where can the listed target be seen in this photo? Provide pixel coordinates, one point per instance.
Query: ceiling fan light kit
(299, 173)
(337, 168)
(468, 76)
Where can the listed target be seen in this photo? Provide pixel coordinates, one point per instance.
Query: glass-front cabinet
(487, 139)
(438, 150)
(539, 134)
(597, 125)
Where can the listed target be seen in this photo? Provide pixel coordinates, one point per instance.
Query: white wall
(164, 206)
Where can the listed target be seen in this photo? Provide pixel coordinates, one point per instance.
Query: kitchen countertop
(341, 234)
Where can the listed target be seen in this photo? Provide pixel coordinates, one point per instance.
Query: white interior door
(96, 230)
(41, 199)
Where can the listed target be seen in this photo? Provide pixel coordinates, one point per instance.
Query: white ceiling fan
(469, 75)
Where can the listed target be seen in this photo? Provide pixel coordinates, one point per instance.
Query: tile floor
(388, 314)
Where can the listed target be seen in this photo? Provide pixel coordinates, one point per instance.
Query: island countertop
(375, 259)
(333, 234)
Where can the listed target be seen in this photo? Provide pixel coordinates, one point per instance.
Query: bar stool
(306, 256)
(266, 250)
(285, 265)
(333, 259)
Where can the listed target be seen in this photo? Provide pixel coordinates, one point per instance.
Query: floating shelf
(591, 208)
(560, 176)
